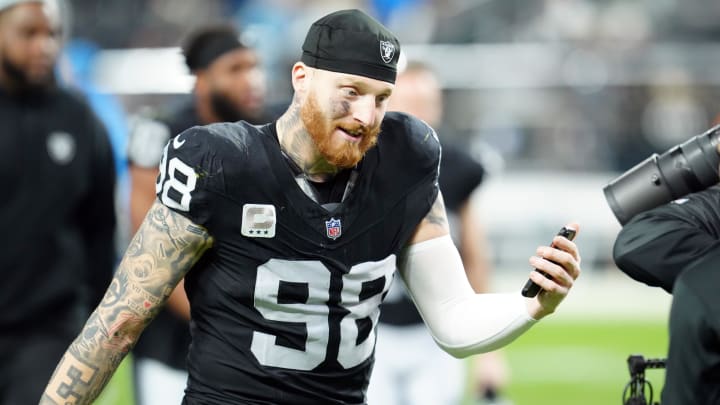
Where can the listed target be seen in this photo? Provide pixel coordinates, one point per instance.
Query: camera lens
(683, 169)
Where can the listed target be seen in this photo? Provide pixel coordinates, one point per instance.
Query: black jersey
(460, 175)
(57, 209)
(167, 338)
(284, 306)
(656, 245)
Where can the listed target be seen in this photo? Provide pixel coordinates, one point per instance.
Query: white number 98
(168, 179)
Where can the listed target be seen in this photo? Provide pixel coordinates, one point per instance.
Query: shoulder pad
(146, 140)
(413, 141)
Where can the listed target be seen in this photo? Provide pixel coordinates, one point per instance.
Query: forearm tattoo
(162, 251)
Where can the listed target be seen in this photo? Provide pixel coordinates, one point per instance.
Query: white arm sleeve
(461, 322)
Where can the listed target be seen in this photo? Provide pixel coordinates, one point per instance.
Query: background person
(57, 205)
(400, 375)
(676, 247)
(229, 87)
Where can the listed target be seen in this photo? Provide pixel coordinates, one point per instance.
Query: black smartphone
(531, 289)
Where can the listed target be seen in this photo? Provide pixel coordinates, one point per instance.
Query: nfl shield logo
(333, 228)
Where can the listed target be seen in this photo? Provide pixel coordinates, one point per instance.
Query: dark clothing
(284, 305)
(677, 247)
(460, 175)
(57, 210)
(27, 364)
(656, 245)
(167, 338)
(693, 364)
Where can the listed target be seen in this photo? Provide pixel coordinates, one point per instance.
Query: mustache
(359, 129)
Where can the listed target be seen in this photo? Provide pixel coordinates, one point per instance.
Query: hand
(564, 271)
(491, 372)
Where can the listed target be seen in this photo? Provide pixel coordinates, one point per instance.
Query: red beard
(339, 153)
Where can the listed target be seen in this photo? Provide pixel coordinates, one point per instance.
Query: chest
(43, 149)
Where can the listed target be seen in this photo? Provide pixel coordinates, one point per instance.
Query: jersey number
(175, 182)
(361, 294)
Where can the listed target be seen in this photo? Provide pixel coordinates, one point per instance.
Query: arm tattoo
(437, 215)
(163, 250)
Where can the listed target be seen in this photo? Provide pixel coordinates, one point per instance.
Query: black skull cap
(350, 41)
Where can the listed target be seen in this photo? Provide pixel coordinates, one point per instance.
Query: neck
(297, 143)
(204, 111)
(7, 84)
(15, 84)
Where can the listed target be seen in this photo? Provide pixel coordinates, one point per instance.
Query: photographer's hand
(562, 263)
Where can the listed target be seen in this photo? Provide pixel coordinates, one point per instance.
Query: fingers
(566, 244)
(549, 285)
(568, 260)
(558, 273)
(561, 262)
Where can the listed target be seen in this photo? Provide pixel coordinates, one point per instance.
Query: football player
(289, 234)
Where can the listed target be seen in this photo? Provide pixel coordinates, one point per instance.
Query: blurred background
(555, 97)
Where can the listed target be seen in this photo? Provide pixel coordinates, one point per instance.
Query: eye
(350, 92)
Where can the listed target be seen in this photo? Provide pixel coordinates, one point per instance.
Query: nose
(364, 110)
(45, 46)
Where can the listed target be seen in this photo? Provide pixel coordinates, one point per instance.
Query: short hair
(206, 44)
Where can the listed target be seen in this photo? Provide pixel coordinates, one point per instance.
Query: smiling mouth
(355, 134)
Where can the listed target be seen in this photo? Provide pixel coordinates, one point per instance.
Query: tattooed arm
(162, 251)
(434, 225)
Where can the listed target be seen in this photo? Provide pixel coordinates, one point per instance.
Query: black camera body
(686, 168)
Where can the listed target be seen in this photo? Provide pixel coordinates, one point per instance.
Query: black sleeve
(97, 216)
(460, 175)
(191, 173)
(657, 245)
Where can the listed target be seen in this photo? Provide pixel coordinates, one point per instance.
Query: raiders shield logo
(61, 147)
(387, 51)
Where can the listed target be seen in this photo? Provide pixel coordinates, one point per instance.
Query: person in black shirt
(229, 87)
(289, 234)
(56, 204)
(677, 247)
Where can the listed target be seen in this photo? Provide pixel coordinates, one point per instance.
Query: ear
(301, 76)
(201, 82)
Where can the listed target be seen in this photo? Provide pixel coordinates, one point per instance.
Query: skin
(167, 244)
(162, 251)
(317, 135)
(236, 76)
(30, 43)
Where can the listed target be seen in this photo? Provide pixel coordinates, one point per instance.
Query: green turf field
(557, 362)
(119, 390)
(561, 362)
